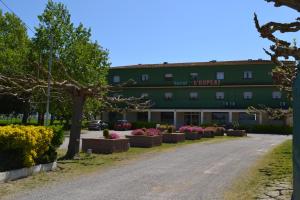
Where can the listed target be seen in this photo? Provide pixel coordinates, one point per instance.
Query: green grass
(68, 169)
(275, 167)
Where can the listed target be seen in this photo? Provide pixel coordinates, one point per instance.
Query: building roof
(198, 64)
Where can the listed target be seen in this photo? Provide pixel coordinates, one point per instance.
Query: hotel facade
(201, 92)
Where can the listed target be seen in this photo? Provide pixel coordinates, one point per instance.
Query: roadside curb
(25, 172)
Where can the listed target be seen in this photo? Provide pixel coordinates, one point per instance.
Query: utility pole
(296, 135)
(49, 80)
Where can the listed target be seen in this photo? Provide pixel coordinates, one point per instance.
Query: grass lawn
(68, 169)
(271, 176)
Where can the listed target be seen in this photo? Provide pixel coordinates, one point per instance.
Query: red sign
(206, 82)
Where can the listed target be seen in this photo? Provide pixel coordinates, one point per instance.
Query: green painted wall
(207, 97)
(234, 76)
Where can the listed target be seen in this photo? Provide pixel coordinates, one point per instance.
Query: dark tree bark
(25, 117)
(52, 120)
(41, 119)
(26, 110)
(74, 143)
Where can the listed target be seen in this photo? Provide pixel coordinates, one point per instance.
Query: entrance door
(167, 118)
(192, 118)
(220, 117)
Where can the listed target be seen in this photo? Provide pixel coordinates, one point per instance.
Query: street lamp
(49, 80)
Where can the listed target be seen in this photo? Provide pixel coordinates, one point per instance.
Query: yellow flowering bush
(21, 146)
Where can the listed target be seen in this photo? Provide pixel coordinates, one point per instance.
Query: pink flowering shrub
(123, 126)
(198, 129)
(153, 132)
(138, 132)
(191, 129)
(146, 132)
(114, 136)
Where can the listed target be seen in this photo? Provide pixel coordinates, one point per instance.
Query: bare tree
(285, 74)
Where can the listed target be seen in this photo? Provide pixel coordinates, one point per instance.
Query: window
(168, 95)
(220, 117)
(247, 95)
(145, 95)
(282, 104)
(117, 95)
(247, 74)
(247, 117)
(145, 77)
(168, 76)
(116, 79)
(220, 76)
(193, 95)
(219, 95)
(142, 116)
(167, 117)
(192, 118)
(276, 95)
(270, 73)
(194, 76)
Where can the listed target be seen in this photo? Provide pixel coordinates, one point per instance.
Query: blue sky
(156, 31)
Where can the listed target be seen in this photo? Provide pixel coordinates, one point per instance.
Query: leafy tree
(14, 43)
(77, 60)
(92, 108)
(79, 69)
(14, 51)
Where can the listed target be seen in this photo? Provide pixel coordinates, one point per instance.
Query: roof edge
(195, 64)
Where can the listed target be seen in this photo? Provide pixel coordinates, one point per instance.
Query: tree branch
(294, 4)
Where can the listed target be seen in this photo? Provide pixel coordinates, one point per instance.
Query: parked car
(97, 125)
(122, 125)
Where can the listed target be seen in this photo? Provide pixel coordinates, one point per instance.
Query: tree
(79, 69)
(285, 73)
(15, 49)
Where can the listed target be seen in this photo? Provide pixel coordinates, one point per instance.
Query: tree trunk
(41, 119)
(74, 143)
(26, 110)
(52, 120)
(25, 117)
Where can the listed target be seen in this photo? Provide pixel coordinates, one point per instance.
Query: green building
(200, 92)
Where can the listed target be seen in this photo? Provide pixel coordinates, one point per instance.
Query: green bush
(106, 133)
(271, 129)
(57, 140)
(170, 129)
(166, 128)
(142, 124)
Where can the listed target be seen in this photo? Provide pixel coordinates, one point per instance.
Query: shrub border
(25, 172)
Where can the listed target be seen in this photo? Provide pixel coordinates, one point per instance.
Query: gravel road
(193, 172)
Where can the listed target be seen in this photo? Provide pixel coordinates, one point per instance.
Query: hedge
(271, 129)
(142, 124)
(25, 146)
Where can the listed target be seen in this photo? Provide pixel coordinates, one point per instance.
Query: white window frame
(276, 95)
(220, 95)
(248, 95)
(193, 95)
(194, 75)
(168, 76)
(145, 77)
(116, 79)
(168, 95)
(248, 74)
(220, 75)
(144, 95)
